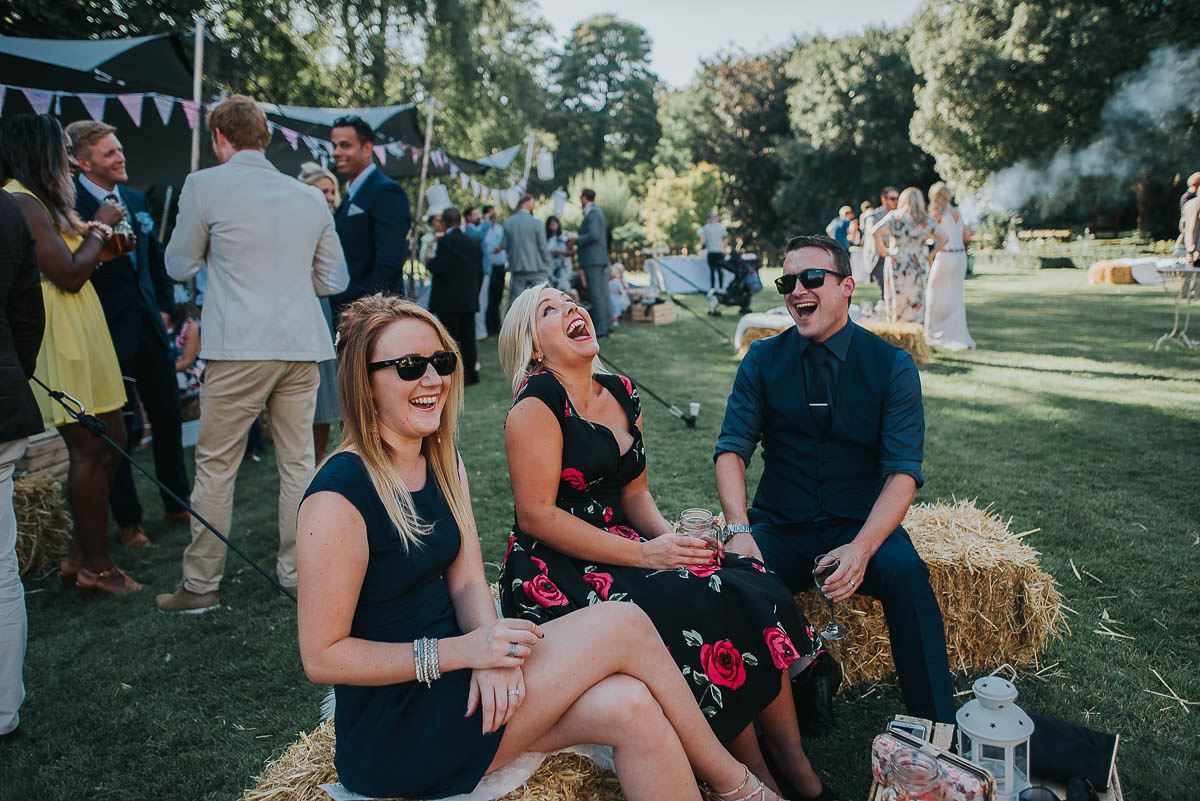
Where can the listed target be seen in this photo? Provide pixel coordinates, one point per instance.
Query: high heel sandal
(751, 789)
(68, 569)
(89, 582)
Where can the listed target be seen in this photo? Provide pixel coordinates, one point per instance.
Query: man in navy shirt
(839, 414)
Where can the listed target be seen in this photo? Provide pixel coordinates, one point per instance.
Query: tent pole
(197, 82)
(412, 283)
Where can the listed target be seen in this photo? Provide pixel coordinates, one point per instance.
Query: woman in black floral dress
(587, 530)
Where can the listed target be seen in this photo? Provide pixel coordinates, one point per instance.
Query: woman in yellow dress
(77, 354)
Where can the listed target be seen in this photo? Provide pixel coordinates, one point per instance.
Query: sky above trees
(683, 32)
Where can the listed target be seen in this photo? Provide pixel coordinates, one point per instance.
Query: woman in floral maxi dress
(900, 237)
(587, 530)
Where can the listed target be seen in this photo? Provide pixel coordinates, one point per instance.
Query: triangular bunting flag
(94, 104)
(191, 110)
(133, 107)
(475, 188)
(164, 105)
(381, 153)
(291, 136)
(39, 99)
(463, 179)
(395, 148)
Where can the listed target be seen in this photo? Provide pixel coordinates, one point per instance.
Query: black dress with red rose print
(731, 629)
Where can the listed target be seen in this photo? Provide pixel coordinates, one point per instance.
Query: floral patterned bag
(961, 780)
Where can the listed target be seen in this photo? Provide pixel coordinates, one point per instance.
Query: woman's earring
(538, 360)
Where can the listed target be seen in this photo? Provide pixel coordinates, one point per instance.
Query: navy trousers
(899, 579)
(153, 371)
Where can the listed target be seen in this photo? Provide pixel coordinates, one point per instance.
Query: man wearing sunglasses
(838, 411)
(373, 218)
(888, 198)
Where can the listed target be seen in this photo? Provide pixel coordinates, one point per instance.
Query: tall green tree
(850, 106)
(744, 117)
(1005, 80)
(678, 116)
(604, 110)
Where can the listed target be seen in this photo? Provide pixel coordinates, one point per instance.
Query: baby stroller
(744, 285)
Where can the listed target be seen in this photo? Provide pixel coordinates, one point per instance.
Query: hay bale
(753, 334)
(298, 773)
(43, 525)
(998, 604)
(910, 336)
(1110, 272)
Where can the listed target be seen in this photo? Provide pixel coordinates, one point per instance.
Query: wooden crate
(45, 453)
(657, 314)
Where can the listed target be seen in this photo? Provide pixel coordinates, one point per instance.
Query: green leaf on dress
(692, 638)
(750, 659)
(716, 695)
(709, 711)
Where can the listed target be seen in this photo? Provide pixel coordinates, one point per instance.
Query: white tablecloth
(683, 274)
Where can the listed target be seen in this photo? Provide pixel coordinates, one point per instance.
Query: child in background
(618, 293)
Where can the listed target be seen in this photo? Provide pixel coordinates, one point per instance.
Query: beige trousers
(232, 394)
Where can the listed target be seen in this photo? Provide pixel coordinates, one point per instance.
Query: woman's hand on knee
(496, 692)
(501, 643)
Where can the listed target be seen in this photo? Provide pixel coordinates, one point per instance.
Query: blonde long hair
(911, 204)
(940, 198)
(360, 326)
(311, 172)
(519, 340)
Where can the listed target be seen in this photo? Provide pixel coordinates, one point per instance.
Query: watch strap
(728, 532)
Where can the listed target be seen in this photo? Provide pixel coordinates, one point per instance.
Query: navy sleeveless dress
(731, 628)
(404, 740)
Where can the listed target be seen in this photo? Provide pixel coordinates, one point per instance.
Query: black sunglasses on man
(809, 279)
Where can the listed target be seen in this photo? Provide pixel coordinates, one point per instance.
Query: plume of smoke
(1148, 100)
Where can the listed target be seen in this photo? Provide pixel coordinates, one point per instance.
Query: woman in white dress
(945, 305)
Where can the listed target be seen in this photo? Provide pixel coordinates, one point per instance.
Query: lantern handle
(1012, 670)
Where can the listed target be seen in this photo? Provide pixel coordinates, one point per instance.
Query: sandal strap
(731, 795)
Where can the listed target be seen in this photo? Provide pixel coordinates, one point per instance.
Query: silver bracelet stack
(425, 660)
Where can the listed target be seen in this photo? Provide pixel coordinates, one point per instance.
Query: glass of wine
(824, 566)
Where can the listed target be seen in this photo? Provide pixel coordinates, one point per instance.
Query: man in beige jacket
(271, 248)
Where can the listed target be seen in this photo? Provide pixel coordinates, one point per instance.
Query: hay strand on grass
(43, 525)
(298, 773)
(998, 604)
(910, 336)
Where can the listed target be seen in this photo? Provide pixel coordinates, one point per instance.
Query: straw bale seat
(308, 763)
(998, 604)
(43, 525)
(910, 336)
(1110, 272)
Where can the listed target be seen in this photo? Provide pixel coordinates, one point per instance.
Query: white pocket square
(354, 210)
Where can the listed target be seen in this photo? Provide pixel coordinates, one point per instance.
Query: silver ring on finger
(851, 582)
(514, 691)
(512, 650)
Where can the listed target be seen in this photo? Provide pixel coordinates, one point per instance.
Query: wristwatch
(728, 532)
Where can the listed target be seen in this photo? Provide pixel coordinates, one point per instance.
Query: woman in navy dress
(587, 530)
(396, 614)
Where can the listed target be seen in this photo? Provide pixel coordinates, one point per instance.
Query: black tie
(819, 395)
(111, 198)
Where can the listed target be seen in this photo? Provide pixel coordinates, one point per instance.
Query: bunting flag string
(95, 104)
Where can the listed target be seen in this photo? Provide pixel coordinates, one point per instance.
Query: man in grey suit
(528, 257)
(593, 261)
(271, 248)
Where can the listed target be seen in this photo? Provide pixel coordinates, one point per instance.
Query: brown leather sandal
(133, 536)
(88, 582)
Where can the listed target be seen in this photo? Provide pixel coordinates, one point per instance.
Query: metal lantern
(994, 733)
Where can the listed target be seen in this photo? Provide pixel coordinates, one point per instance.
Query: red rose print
(723, 664)
(543, 592)
(512, 540)
(607, 514)
(628, 384)
(757, 566)
(567, 409)
(541, 566)
(574, 478)
(601, 583)
(702, 571)
(626, 532)
(783, 652)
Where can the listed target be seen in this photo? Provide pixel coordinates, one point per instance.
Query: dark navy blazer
(877, 429)
(373, 226)
(133, 288)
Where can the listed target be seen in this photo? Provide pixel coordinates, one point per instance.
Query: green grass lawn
(1064, 419)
